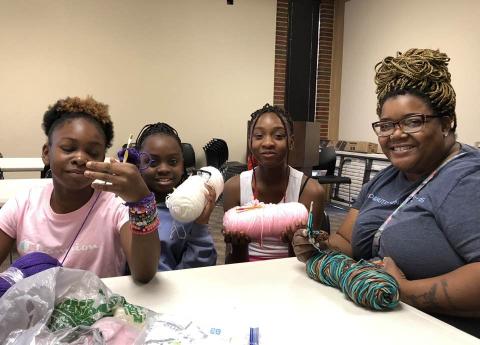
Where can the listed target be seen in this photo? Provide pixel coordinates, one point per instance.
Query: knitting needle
(310, 218)
(129, 142)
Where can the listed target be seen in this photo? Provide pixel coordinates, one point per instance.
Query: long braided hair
(163, 129)
(421, 72)
(156, 128)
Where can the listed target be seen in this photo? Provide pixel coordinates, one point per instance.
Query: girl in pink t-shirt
(78, 222)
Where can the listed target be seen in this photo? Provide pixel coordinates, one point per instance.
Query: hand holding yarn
(211, 197)
(133, 156)
(391, 268)
(303, 247)
(187, 202)
(287, 235)
(236, 238)
(123, 179)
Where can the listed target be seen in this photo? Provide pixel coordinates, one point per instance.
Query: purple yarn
(28, 265)
(133, 156)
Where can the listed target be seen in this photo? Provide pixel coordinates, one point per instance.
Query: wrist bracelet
(142, 202)
(143, 215)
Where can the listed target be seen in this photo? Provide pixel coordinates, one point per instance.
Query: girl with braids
(270, 137)
(420, 215)
(72, 219)
(183, 245)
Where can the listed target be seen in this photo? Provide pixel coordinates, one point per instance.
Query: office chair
(325, 223)
(326, 161)
(188, 156)
(216, 152)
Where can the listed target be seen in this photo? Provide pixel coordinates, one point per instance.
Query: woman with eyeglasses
(421, 214)
(183, 245)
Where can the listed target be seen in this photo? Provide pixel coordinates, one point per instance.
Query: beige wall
(200, 65)
(378, 28)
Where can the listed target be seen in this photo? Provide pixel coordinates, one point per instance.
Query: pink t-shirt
(30, 220)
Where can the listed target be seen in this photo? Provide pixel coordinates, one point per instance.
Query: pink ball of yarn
(258, 220)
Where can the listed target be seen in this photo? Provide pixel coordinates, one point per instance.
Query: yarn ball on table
(187, 201)
(24, 267)
(365, 283)
(259, 220)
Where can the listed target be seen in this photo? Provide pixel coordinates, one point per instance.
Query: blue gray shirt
(183, 245)
(436, 232)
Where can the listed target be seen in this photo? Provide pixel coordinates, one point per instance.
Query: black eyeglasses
(411, 123)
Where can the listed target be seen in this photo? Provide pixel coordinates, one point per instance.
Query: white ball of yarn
(215, 180)
(188, 200)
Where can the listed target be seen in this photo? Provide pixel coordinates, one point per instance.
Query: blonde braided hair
(420, 72)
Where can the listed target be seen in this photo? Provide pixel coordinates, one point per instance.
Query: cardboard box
(353, 146)
(339, 145)
(361, 146)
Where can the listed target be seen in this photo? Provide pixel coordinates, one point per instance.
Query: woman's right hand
(302, 247)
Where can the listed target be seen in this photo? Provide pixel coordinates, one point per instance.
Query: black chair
(326, 161)
(216, 152)
(188, 156)
(325, 223)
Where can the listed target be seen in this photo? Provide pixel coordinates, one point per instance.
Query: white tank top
(270, 248)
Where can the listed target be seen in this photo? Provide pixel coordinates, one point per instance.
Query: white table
(10, 187)
(289, 307)
(21, 164)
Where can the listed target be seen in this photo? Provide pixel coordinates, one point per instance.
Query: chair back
(188, 155)
(216, 152)
(327, 159)
(325, 224)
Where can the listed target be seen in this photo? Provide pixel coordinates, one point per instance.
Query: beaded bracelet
(143, 215)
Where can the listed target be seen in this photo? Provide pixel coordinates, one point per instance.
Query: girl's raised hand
(123, 179)
(210, 196)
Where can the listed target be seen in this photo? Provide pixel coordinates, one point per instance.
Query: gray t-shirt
(436, 232)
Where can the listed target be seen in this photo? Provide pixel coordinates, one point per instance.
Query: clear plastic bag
(60, 306)
(68, 306)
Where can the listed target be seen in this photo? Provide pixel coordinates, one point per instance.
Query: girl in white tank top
(271, 181)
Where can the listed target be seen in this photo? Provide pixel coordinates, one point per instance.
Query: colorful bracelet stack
(143, 215)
